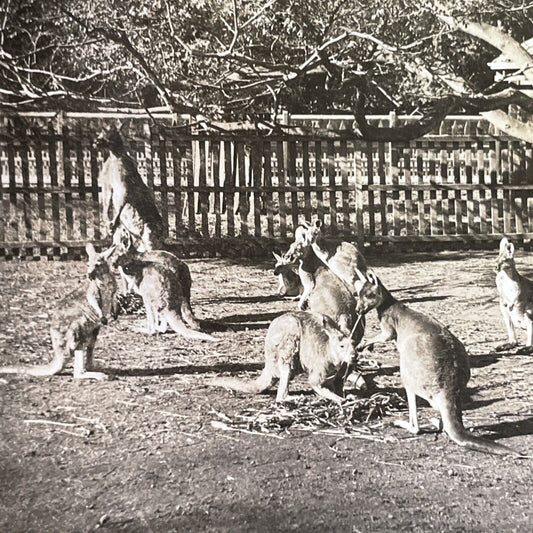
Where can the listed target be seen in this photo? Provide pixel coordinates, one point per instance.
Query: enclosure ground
(158, 449)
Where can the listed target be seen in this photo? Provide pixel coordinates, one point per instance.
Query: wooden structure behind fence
(464, 182)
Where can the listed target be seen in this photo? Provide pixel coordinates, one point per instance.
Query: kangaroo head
(370, 292)
(110, 138)
(280, 260)
(98, 265)
(300, 233)
(506, 255)
(340, 345)
(313, 231)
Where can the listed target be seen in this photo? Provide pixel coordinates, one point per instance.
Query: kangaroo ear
(276, 256)
(360, 275)
(318, 223)
(503, 244)
(91, 252)
(510, 250)
(358, 285)
(372, 277)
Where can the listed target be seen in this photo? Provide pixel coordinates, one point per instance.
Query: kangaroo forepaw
(506, 346)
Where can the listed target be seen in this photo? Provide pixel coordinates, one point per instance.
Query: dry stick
(220, 425)
(84, 433)
(348, 347)
(50, 422)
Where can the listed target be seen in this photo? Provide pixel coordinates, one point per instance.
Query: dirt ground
(157, 449)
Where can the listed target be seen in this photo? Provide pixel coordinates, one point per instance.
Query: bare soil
(158, 449)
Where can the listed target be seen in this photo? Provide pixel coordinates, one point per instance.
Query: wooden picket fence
(465, 182)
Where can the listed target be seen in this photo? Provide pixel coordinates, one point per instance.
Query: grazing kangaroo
(76, 323)
(163, 296)
(433, 362)
(126, 198)
(301, 341)
(344, 259)
(289, 280)
(516, 299)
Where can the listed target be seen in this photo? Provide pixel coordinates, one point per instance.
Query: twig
(50, 422)
(220, 425)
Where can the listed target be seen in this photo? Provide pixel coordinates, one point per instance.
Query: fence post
(394, 172)
(359, 200)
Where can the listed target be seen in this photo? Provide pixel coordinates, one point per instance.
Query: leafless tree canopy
(237, 59)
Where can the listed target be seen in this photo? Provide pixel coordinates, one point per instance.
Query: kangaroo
(300, 251)
(516, 299)
(126, 199)
(289, 281)
(162, 293)
(125, 252)
(344, 259)
(76, 323)
(433, 362)
(301, 341)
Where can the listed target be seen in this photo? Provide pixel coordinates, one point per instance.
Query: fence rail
(463, 182)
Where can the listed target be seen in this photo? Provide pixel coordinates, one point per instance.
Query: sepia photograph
(266, 266)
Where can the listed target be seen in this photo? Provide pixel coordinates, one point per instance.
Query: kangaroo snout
(361, 308)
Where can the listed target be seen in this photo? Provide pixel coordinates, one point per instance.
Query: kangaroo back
(331, 297)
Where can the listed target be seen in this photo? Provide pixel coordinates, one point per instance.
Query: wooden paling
(464, 182)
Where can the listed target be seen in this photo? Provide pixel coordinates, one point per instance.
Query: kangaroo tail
(456, 431)
(53, 367)
(251, 387)
(177, 324)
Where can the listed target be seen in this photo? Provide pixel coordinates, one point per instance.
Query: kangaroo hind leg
(83, 360)
(512, 343)
(412, 425)
(528, 348)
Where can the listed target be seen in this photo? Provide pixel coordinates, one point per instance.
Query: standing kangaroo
(433, 362)
(125, 253)
(162, 292)
(516, 298)
(76, 323)
(126, 199)
(299, 341)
